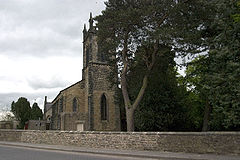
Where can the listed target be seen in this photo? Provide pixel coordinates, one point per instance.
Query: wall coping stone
(128, 133)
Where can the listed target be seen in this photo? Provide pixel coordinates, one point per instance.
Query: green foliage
(197, 94)
(189, 27)
(236, 16)
(173, 23)
(13, 110)
(214, 77)
(163, 107)
(195, 108)
(36, 112)
(224, 68)
(21, 110)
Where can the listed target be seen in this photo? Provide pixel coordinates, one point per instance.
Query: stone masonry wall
(10, 135)
(189, 142)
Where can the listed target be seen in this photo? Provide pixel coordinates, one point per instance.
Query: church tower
(103, 111)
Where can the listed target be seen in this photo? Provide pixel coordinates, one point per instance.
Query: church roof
(79, 82)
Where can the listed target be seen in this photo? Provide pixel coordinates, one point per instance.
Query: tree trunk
(130, 119)
(130, 108)
(206, 117)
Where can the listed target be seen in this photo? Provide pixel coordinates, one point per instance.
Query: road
(22, 153)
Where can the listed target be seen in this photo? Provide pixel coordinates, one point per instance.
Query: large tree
(130, 28)
(214, 76)
(223, 75)
(21, 110)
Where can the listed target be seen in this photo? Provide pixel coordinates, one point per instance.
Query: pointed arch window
(75, 104)
(104, 111)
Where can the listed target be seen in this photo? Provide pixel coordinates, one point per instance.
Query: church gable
(68, 106)
(66, 97)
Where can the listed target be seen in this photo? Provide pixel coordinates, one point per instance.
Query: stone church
(89, 104)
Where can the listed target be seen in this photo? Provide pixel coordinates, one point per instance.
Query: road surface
(22, 153)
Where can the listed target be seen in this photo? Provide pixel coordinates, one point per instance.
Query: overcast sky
(41, 46)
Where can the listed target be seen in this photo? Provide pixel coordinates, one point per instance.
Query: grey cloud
(41, 46)
(8, 98)
(47, 26)
(52, 83)
(35, 10)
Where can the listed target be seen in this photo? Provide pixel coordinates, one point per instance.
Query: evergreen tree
(36, 112)
(13, 110)
(222, 80)
(163, 107)
(21, 110)
(214, 76)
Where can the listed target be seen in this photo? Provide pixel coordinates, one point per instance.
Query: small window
(103, 108)
(74, 104)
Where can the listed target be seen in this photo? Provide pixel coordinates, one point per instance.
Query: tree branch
(141, 92)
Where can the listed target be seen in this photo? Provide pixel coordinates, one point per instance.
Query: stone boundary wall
(10, 135)
(188, 142)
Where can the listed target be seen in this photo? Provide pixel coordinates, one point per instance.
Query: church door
(80, 127)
